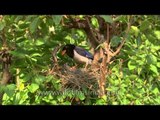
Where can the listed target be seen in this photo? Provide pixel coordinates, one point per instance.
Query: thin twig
(107, 41)
(54, 52)
(124, 38)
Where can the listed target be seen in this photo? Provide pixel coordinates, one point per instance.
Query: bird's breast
(81, 59)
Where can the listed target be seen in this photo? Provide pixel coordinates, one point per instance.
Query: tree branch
(6, 61)
(91, 35)
(107, 41)
(104, 68)
(124, 39)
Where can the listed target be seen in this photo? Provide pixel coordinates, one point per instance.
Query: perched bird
(79, 54)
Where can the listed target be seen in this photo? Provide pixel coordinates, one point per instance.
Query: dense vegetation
(26, 59)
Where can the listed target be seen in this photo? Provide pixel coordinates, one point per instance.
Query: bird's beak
(63, 52)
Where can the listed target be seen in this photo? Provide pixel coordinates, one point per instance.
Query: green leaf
(57, 19)
(144, 25)
(153, 68)
(2, 25)
(138, 40)
(33, 26)
(18, 18)
(33, 87)
(130, 96)
(20, 39)
(157, 100)
(133, 77)
(2, 87)
(116, 82)
(24, 25)
(151, 59)
(158, 64)
(155, 91)
(157, 33)
(131, 66)
(134, 30)
(104, 97)
(137, 102)
(81, 96)
(16, 98)
(67, 103)
(115, 103)
(139, 69)
(115, 41)
(10, 90)
(95, 22)
(39, 42)
(112, 88)
(24, 96)
(40, 79)
(53, 102)
(60, 98)
(36, 55)
(100, 101)
(107, 18)
(18, 53)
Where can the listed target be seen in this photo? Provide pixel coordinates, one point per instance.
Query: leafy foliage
(135, 73)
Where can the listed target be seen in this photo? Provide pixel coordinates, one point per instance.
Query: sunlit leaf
(155, 91)
(36, 55)
(100, 102)
(33, 87)
(54, 102)
(81, 96)
(39, 42)
(115, 103)
(153, 68)
(158, 64)
(133, 77)
(131, 66)
(95, 22)
(67, 103)
(134, 30)
(157, 33)
(130, 96)
(21, 86)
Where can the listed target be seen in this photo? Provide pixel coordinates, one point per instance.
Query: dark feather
(83, 52)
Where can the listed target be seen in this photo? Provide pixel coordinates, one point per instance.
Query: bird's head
(68, 49)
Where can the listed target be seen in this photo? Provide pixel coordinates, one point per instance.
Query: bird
(77, 53)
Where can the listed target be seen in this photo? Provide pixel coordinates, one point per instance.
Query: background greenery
(135, 82)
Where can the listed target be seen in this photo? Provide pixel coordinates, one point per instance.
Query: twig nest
(78, 78)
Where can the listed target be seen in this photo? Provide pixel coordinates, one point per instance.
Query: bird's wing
(83, 52)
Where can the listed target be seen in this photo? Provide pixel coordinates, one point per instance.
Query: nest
(77, 78)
